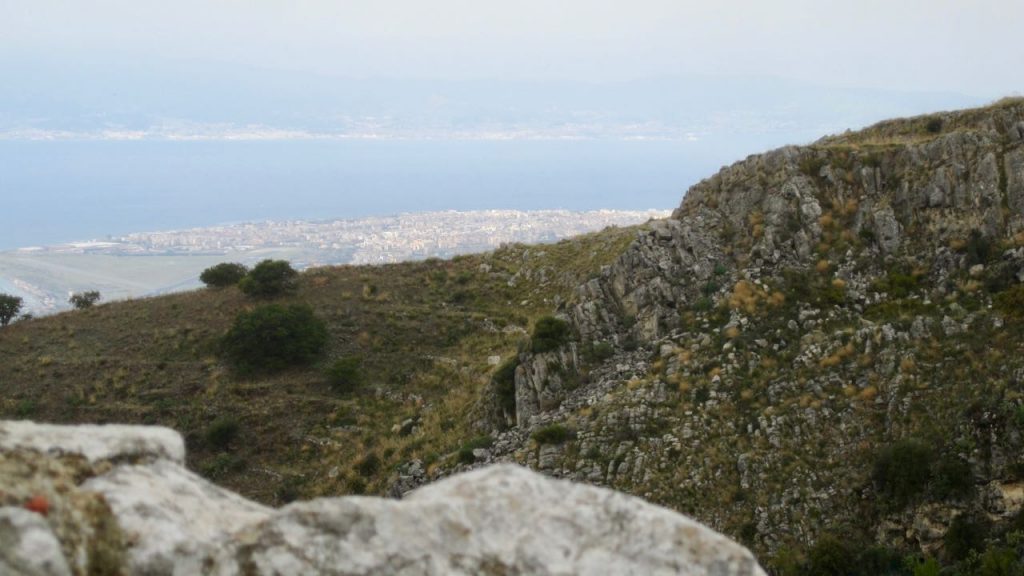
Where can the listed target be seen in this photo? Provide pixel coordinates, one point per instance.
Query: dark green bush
(83, 300)
(979, 248)
(221, 432)
(269, 278)
(880, 561)
(966, 534)
(933, 125)
(552, 434)
(549, 333)
(344, 374)
(504, 380)
(10, 305)
(902, 470)
(273, 337)
(831, 556)
(223, 275)
(898, 284)
(1011, 301)
(953, 478)
(598, 351)
(369, 465)
(465, 454)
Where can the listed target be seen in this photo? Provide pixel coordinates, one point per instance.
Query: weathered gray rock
(28, 546)
(95, 443)
(177, 520)
(502, 519)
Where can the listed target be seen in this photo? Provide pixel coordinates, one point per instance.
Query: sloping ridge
(902, 187)
(806, 314)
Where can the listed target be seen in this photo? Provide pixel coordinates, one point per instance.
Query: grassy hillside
(423, 331)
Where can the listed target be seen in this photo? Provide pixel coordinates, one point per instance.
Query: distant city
(148, 263)
(376, 240)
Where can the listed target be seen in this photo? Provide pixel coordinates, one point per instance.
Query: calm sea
(61, 191)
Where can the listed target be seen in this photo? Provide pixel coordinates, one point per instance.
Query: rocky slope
(117, 500)
(767, 357)
(821, 354)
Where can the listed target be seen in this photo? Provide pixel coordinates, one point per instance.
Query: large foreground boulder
(80, 500)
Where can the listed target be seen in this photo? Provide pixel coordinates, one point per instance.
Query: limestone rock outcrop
(105, 499)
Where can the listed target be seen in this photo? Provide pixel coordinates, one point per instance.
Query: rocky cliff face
(905, 189)
(803, 312)
(117, 500)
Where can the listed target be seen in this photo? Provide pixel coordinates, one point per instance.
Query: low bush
(222, 432)
(552, 434)
(344, 374)
(504, 381)
(598, 351)
(269, 278)
(831, 556)
(369, 465)
(223, 275)
(902, 470)
(953, 478)
(966, 534)
(273, 337)
(83, 300)
(1011, 301)
(549, 333)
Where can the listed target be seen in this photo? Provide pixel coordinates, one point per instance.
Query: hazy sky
(968, 46)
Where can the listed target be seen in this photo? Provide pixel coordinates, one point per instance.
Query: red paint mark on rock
(39, 505)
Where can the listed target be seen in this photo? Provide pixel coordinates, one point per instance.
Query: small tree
(223, 275)
(344, 374)
(549, 334)
(83, 300)
(902, 470)
(9, 307)
(269, 278)
(274, 337)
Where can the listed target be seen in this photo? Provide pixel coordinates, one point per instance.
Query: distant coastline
(149, 263)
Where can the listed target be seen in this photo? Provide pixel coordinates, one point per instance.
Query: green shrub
(880, 561)
(979, 248)
(898, 284)
(966, 534)
(953, 478)
(1000, 561)
(221, 432)
(598, 351)
(269, 278)
(83, 300)
(273, 337)
(10, 305)
(552, 434)
(923, 566)
(902, 470)
(933, 125)
(549, 333)
(465, 454)
(223, 275)
(504, 380)
(831, 556)
(344, 374)
(1011, 301)
(369, 465)
(811, 165)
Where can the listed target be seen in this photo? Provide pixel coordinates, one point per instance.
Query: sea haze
(76, 190)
